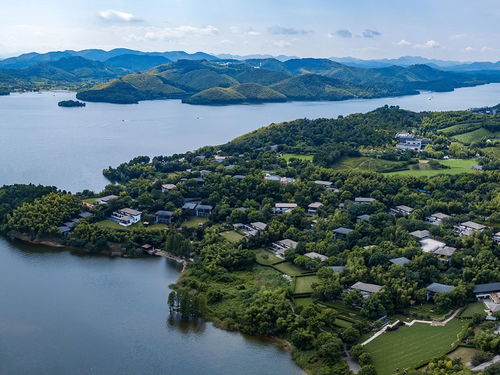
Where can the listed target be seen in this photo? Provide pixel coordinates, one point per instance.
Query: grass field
(289, 269)
(287, 157)
(475, 136)
(493, 152)
(473, 308)
(409, 347)
(365, 163)
(194, 222)
(303, 284)
(89, 200)
(460, 128)
(115, 226)
(303, 301)
(456, 166)
(232, 236)
(266, 258)
(427, 309)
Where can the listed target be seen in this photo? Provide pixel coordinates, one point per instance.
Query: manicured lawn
(266, 258)
(408, 347)
(287, 157)
(473, 308)
(232, 236)
(427, 309)
(304, 301)
(456, 166)
(194, 222)
(289, 269)
(303, 284)
(90, 200)
(365, 163)
(344, 311)
(342, 323)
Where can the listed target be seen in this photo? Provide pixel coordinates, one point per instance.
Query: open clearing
(289, 269)
(408, 347)
(303, 284)
(366, 163)
(194, 222)
(232, 236)
(456, 166)
(287, 157)
(266, 258)
(473, 308)
(475, 136)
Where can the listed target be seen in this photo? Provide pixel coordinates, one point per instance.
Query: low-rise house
(190, 207)
(407, 141)
(200, 180)
(361, 218)
(85, 214)
(279, 247)
(203, 210)
(269, 177)
(430, 245)
(401, 210)
(437, 219)
(436, 288)
(106, 199)
(219, 159)
(204, 172)
(70, 224)
(401, 261)
(445, 253)
(496, 237)
(421, 234)
(163, 217)
(490, 295)
(341, 232)
(364, 200)
(315, 255)
(167, 187)
(251, 229)
(64, 230)
(336, 269)
(126, 216)
(366, 289)
(280, 208)
(468, 228)
(239, 176)
(287, 180)
(325, 184)
(312, 209)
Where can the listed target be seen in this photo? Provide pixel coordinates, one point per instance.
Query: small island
(71, 103)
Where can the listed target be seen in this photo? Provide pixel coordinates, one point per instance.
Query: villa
(126, 216)
(436, 288)
(163, 217)
(437, 218)
(312, 209)
(364, 200)
(279, 247)
(251, 229)
(203, 210)
(366, 289)
(407, 141)
(280, 208)
(167, 187)
(315, 255)
(468, 228)
(106, 199)
(341, 233)
(401, 210)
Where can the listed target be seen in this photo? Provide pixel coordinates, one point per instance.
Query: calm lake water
(62, 313)
(68, 147)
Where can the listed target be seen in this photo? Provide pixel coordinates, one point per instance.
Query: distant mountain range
(267, 80)
(200, 78)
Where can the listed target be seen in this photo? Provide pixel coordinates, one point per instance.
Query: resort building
(203, 210)
(312, 209)
(167, 187)
(421, 234)
(280, 208)
(365, 288)
(163, 217)
(106, 199)
(401, 261)
(437, 218)
(430, 245)
(315, 255)
(436, 288)
(279, 247)
(251, 229)
(401, 210)
(364, 200)
(468, 228)
(341, 233)
(407, 141)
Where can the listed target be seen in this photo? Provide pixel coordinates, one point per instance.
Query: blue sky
(462, 30)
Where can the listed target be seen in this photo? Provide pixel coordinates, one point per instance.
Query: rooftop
(164, 213)
(473, 225)
(430, 245)
(342, 230)
(365, 287)
(400, 261)
(421, 234)
(315, 205)
(315, 255)
(487, 288)
(130, 211)
(439, 288)
(447, 251)
(364, 200)
(285, 205)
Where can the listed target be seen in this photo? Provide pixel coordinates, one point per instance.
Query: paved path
(484, 365)
(434, 323)
(351, 362)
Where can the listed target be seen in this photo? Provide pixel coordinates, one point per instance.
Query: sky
(461, 30)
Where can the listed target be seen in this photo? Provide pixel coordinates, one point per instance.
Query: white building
(315, 255)
(280, 208)
(437, 219)
(468, 228)
(126, 216)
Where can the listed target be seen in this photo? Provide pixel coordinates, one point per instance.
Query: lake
(63, 313)
(69, 147)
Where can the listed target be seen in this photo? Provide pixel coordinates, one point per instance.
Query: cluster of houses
(407, 141)
(197, 209)
(68, 226)
(283, 180)
(251, 229)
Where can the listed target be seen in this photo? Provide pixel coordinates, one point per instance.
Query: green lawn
(456, 166)
(344, 311)
(115, 226)
(287, 157)
(366, 163)
(473, 308)
(303, 301)
(475, 136)
(90, 200)
(232, 236)
(289, 269)
(303, 284)
(266, 258)
(459, 128)
(408, 347)
(194, 222)
(427, 309)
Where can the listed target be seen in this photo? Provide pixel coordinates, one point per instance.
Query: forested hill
(221, 82)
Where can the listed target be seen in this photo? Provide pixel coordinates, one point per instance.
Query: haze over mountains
(128, 76)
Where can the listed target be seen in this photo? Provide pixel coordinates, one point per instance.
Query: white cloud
(112, 15)
(402, 43)
(469, 49)
(487, 49)
(429, 44)
(282, 43)
(156, 33)
(252, 33)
